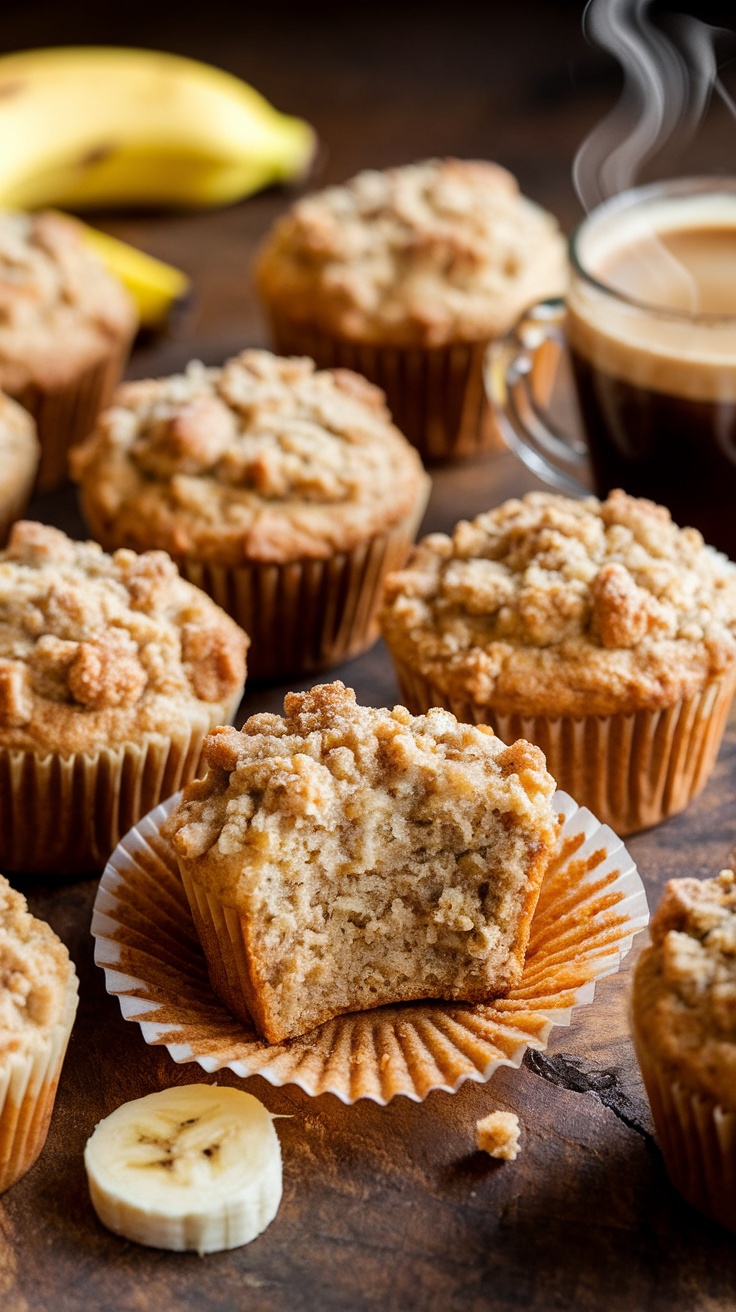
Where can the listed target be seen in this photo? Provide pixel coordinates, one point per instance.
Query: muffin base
(27, 1094)
(697, 1138)
(631, 770)
(64, 815)
(308, 615)
(436, 395)
(66, 415)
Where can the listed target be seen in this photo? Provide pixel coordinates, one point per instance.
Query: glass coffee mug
(649, 322)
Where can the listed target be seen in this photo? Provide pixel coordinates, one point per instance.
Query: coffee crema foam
(665, 317)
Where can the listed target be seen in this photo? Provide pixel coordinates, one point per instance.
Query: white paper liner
(591, 904)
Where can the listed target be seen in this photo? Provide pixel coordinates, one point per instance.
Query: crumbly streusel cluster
(695, 929)
(79, 628)
(424, 253)
(684, 996)
(34, 972)
(266, 454)
(548, 603)
(46, 271)
(329, 761)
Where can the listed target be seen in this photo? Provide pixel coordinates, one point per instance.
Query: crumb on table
(498, 1135)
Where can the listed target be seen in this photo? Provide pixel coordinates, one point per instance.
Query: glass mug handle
(519, 366)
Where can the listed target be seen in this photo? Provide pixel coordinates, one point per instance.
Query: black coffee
(676, 451)
(657, 390)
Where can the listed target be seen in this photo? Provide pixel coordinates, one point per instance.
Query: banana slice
(193, 1167)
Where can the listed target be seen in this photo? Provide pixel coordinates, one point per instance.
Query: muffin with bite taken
(338, 858)
(112, 671)
(597, 629)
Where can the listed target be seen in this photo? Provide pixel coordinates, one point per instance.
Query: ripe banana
(155, 287)
(98, 125)
(193, 1167)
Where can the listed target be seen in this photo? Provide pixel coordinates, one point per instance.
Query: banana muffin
(340, 857)
(66, 326)
(286, 493)
(38, 1002)
(599, 630)
(112, 670)
(684, 1026)
(19, 452)
(406, 276)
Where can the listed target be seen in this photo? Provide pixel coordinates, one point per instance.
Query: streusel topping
(35, 973)
(96, 647)
(446, 249)
(266, 459)
(330, 763)
(686, 983)
(58, 303)
(552, 606)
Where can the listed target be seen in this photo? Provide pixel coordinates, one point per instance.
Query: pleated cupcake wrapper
(307, 615)
(697, 1138)
(632, 771)
(27, 1093)
(64, 815)
(436, 395)
(65, 415)
(591, 904)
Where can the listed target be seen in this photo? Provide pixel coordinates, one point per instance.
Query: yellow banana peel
(157, 288)
(107, 126)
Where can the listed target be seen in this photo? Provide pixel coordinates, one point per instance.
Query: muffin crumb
(498, 1135)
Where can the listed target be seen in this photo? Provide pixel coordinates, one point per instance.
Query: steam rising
(669, 75)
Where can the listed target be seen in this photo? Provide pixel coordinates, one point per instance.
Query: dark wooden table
(384, 1208)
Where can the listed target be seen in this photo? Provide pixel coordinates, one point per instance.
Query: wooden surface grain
(383, 1208)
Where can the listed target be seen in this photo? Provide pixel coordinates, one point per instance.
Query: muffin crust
(263, 460)
(684, 998)
(551, 606)
(415, 256)
(96, 650)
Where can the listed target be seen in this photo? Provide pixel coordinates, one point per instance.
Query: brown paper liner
(307, 615)
(591, 904)
(64, 815)
(66, 415)
(697, 1138)
(28, 1085)
(436, 395)
(632, 771)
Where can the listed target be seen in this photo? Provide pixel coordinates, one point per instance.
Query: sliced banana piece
(193, 1167)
